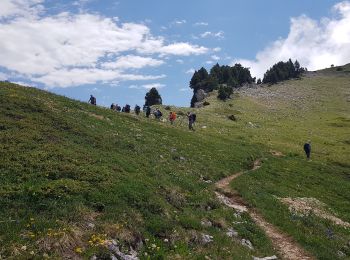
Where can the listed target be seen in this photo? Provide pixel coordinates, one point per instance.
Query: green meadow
(75, 176)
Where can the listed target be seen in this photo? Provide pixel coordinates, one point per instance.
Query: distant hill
(79, 181)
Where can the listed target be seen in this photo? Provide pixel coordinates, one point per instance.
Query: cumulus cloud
(315, 44)
(219, 35)
(148, 86)
(11, 8)
(132, 62)
(215, 57)
(3, 76)
(80, 47)
(75, 77)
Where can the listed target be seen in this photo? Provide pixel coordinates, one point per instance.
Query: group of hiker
(148, 111)
(172, 117)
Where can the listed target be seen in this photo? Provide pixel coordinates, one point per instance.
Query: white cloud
(180, 61)
(217, 49)
(190, 71)
(315, 44)
(3, 76)
(10, 8)
(132, 62)
(148, 86)
(185, 89)
(75, 77)
(219, 35)
(201, 24)
(178, 22)
(154, 85)
(209, 62)
(81, 47)
(215, 57)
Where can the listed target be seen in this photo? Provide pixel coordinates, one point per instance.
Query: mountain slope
(73, 173)
(74, 176)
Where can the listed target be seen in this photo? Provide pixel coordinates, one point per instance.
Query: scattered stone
(173, 150)
(237, 215)
(207, 238)
(204, 127)
(114, 249)
(247, 243)
(24, 248)
(182, 158)
(232, 117)
(206, 223)
(161, 156)
(232, 233)
(265, 258)
(341, 254)
(91, 225)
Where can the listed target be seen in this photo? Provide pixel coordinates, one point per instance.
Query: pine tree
(153, 97)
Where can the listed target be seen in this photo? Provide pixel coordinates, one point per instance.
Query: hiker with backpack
(127, 108)
(172, 117)
(148, 111)
(92, 100)
(191, 120)
(307, 149)
(157, 114)
(118, 108)
(137, 109)
(113, 107)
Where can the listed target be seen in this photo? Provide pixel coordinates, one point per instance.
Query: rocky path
(286, 247)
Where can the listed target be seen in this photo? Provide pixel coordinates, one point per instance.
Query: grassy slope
(62, 159)
(66, 165)
(315, 108)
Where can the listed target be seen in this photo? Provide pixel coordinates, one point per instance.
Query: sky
(117, 50)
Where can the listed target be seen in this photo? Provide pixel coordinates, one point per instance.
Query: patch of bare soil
(305, 206)
(284, 244)
(96, 116)
(276, 153)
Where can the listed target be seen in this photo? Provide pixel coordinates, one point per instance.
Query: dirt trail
(283, 244)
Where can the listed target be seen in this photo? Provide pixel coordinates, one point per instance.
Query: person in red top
(172, 117)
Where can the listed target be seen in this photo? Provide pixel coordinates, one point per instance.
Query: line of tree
(283, 71)
(225, 76)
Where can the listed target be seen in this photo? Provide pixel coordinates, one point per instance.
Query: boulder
(200, 95)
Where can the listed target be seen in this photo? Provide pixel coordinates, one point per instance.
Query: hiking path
(285, 245)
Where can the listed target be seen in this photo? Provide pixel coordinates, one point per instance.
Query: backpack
(194, 117)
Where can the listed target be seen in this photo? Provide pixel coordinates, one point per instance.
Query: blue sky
(117, 50)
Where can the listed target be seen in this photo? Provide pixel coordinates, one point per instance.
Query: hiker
(148, 111)
(191, 120)
(127, 108)
(92, 100)
(172, 117)
(118, 108)
(113, 106)
(307, 149)
(137, 109)
(123, 109)
(157, 114)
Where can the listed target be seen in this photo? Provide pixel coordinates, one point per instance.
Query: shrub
(206, 103)
(225, 92)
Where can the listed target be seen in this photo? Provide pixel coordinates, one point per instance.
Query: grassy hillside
(73, 176)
